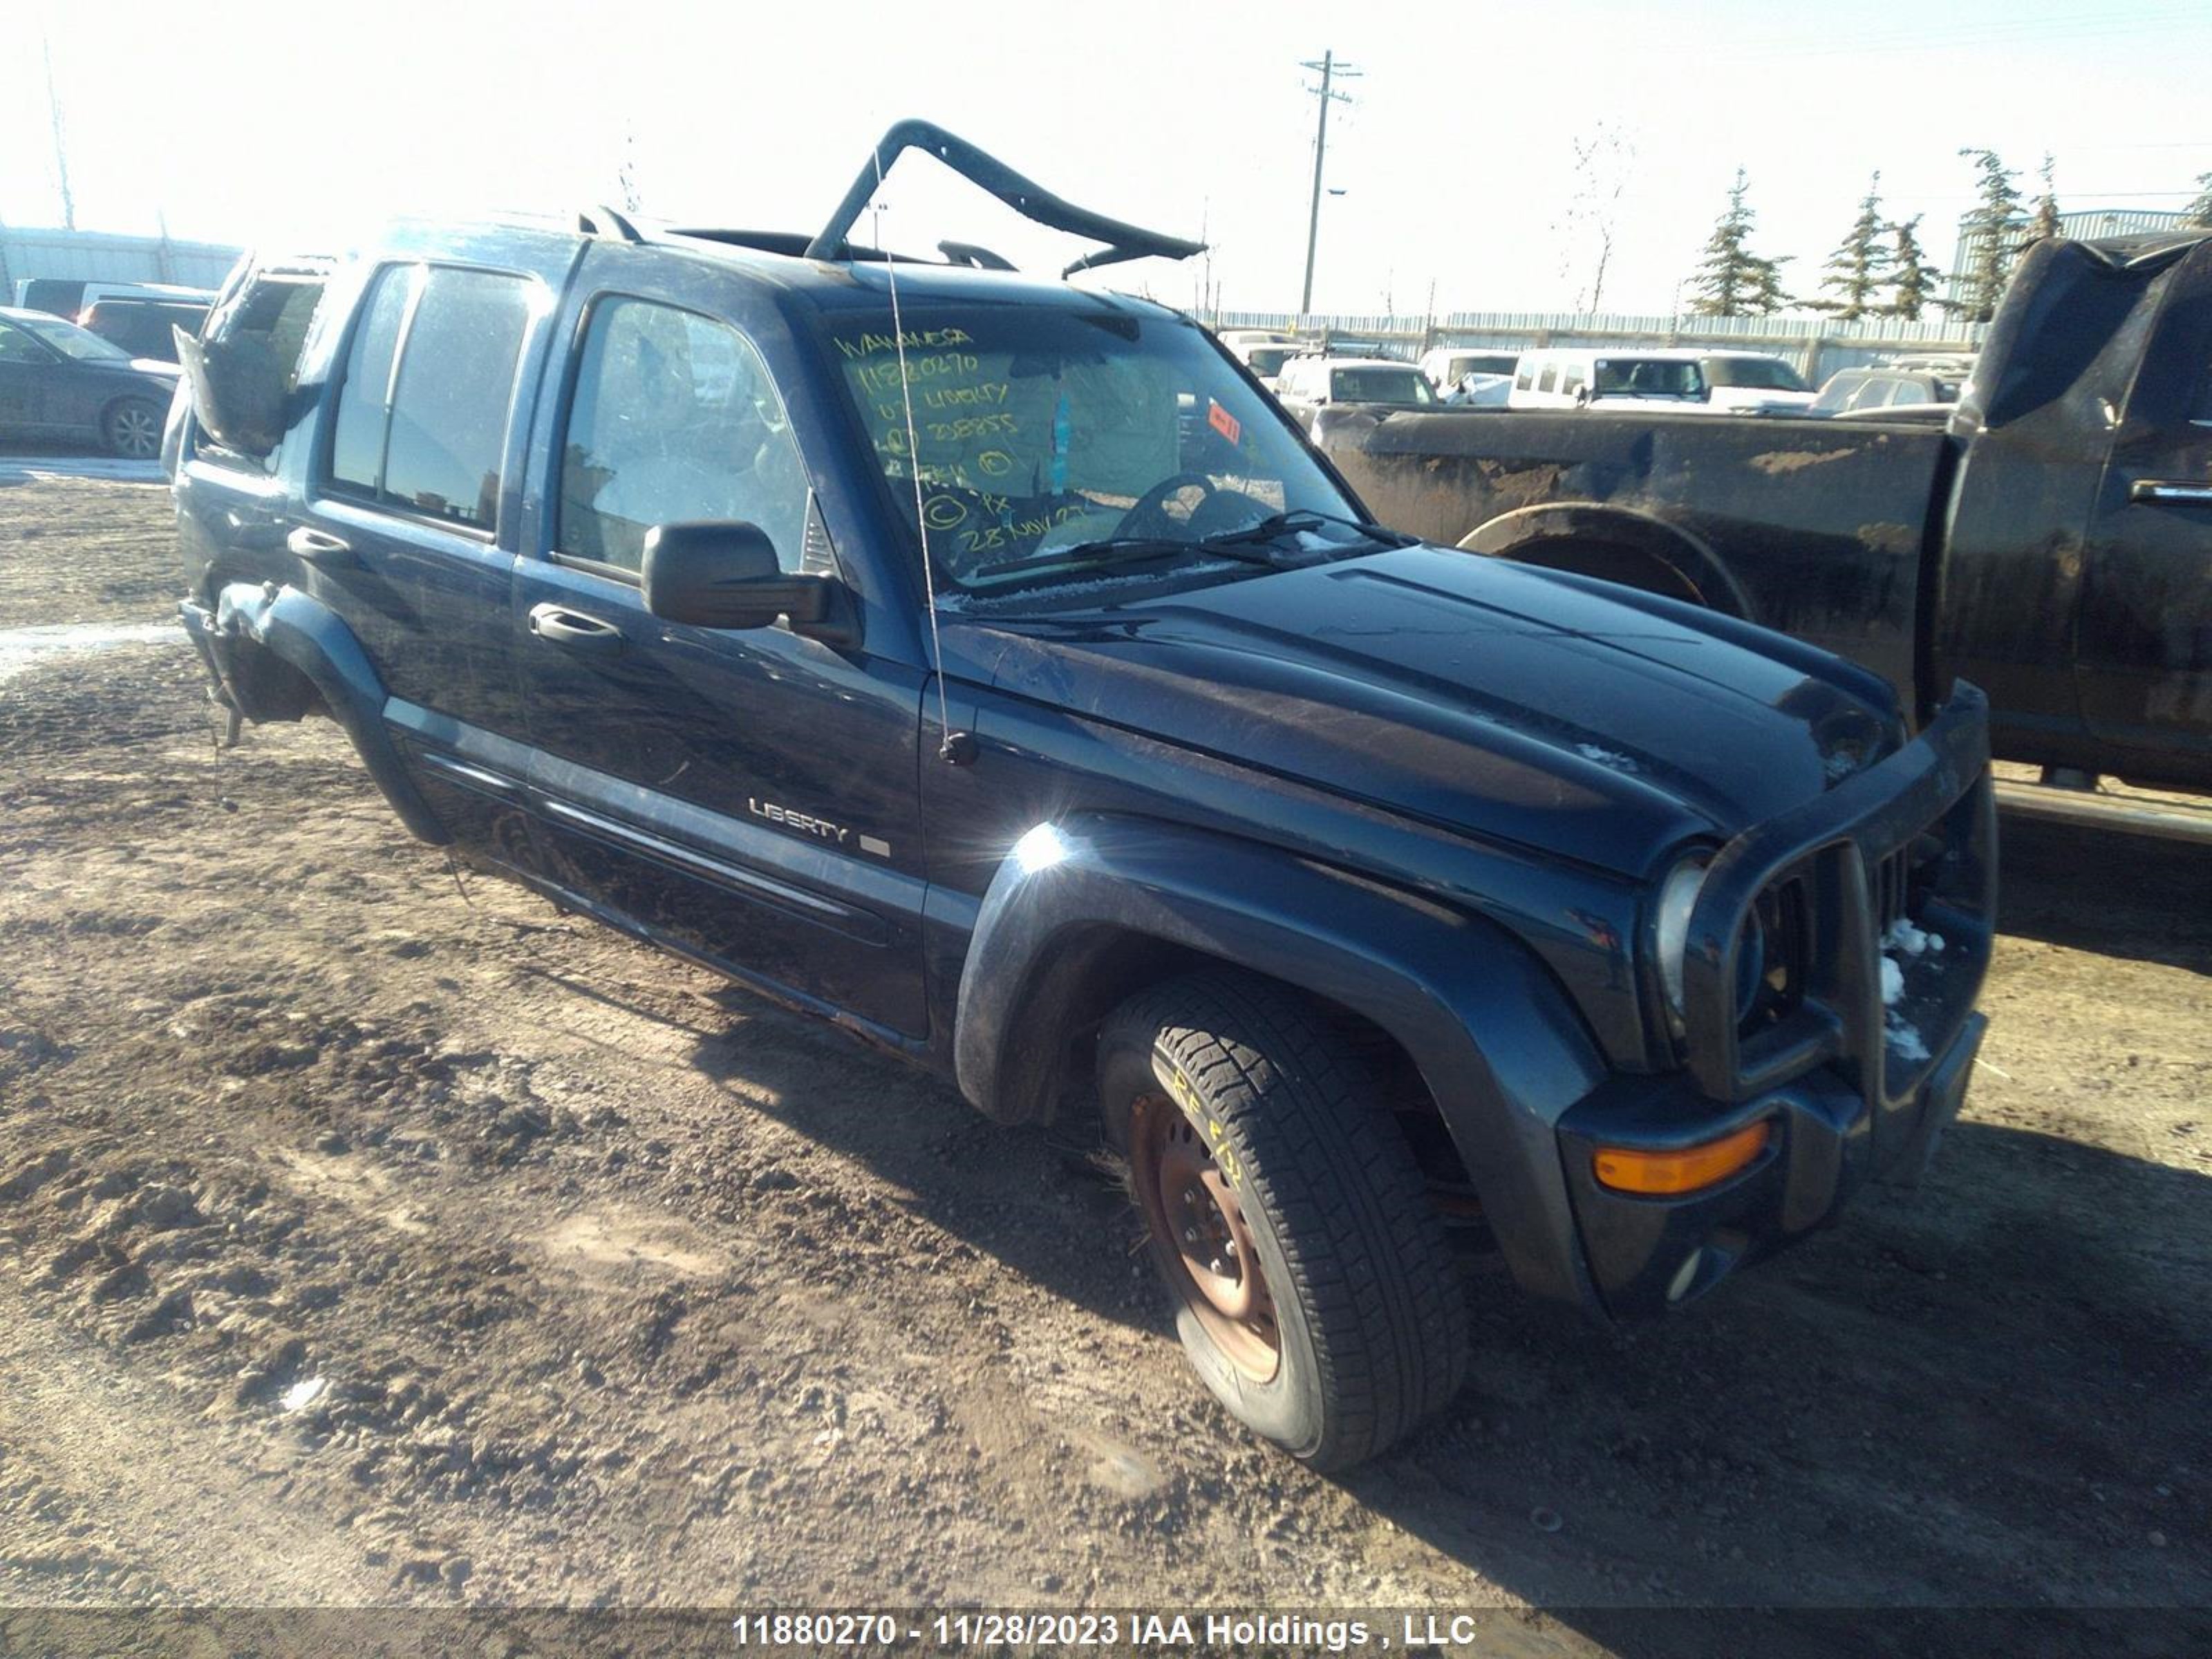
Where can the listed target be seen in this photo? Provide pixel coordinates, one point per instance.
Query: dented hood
(1489, 698)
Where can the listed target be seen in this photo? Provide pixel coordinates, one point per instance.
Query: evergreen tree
(2043, 226)
(1991, 236)
(1912, 279)
(1859, 266)
(1732, 281)
(2199, 212)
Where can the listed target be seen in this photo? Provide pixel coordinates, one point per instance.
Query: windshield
(1488, 362)
(1757, 373)
(1648, 377)
(1380, 386)
(1267, 361)
(71, 341)
(1042, 429)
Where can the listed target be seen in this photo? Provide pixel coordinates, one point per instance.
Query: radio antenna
(954, 748)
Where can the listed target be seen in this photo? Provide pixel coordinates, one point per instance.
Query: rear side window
(1524, 375)
(430, 439)
(246, 386)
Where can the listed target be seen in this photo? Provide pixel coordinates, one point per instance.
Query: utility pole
(60, 149)
(1331, 72)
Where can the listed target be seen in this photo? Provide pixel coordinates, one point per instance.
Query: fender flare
(308, 635)
(1687, 554)
(1497, 1042)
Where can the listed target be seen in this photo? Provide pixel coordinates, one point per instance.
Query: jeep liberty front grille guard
(1921, 822)
(980, 168)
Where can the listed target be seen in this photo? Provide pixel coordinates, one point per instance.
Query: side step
(2087, 809)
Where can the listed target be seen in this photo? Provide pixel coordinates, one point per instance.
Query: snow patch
(304, 1393)
(1903, 1037)
(1904, 938)
(1893, 983)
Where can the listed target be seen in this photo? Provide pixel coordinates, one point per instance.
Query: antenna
(954, 748)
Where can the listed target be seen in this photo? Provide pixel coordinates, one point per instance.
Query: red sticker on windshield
(1223, 423)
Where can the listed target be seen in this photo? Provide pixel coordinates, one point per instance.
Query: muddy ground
(372, 1234)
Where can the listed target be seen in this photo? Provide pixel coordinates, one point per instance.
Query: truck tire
(1312, 1285)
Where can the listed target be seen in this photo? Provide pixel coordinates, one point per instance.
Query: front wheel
(1312, 1285)
(132, 429)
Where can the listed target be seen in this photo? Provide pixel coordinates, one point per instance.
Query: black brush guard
(1912, 838)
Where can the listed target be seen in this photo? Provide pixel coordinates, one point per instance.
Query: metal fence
(93, 256)
(1817, 345)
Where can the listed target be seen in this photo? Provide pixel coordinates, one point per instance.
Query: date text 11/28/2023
(1125, 1631)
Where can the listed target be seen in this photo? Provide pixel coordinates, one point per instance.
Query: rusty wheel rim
(1198, 1236)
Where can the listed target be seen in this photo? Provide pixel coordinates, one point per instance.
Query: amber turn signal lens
(1627, 1170)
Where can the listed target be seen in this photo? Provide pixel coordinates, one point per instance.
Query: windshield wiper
(1282, 524)
(1109, 551)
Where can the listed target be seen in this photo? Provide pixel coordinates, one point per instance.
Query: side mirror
(725, 575)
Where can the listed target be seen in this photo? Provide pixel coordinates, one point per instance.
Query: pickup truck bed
(1743, 511)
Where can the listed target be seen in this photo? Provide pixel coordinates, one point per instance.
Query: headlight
(1678, 897)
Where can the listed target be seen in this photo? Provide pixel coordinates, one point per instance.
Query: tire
(1256, 1136)
(132, 429)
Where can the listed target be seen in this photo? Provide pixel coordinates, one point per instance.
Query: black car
(990, 667)
(144, 328)
(56, 381)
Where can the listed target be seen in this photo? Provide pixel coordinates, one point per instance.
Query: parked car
(144, 327)
(69, 298)
(1869, 391)
(1584, 378)
(1265, 358)
(1314, 382)
(58, 380)
(1753, 382)
(1448, 367)
(2048, 537)
(879, 635)
(1479, 391)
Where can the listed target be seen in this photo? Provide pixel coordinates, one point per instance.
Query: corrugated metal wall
(101, 256)
(1818, 345)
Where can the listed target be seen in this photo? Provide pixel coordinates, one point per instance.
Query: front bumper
(1646, 1255)
(1852, 1082)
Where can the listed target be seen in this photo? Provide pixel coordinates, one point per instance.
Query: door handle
(574, 630)
(318, 546)
(2175, 492)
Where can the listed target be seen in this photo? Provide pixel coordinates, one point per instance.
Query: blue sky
(1456, 159)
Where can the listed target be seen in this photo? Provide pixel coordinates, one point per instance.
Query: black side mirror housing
(725, 575)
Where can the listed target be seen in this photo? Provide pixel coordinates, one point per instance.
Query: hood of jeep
(1492, 698)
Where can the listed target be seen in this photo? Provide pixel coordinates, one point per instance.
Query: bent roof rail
(1123, 241)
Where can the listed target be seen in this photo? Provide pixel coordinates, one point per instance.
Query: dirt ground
(370, 1234)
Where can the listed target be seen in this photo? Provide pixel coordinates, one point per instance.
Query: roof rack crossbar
(978, 167)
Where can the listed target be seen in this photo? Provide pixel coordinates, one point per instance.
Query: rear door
(2145, 653)
(406, 529)
(750, 795)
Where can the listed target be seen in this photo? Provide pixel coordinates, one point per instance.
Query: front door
(2146, 621)
(745, 795)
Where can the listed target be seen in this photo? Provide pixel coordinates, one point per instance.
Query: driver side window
(674, 419)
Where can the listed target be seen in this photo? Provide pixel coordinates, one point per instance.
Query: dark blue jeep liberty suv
(988, 667)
